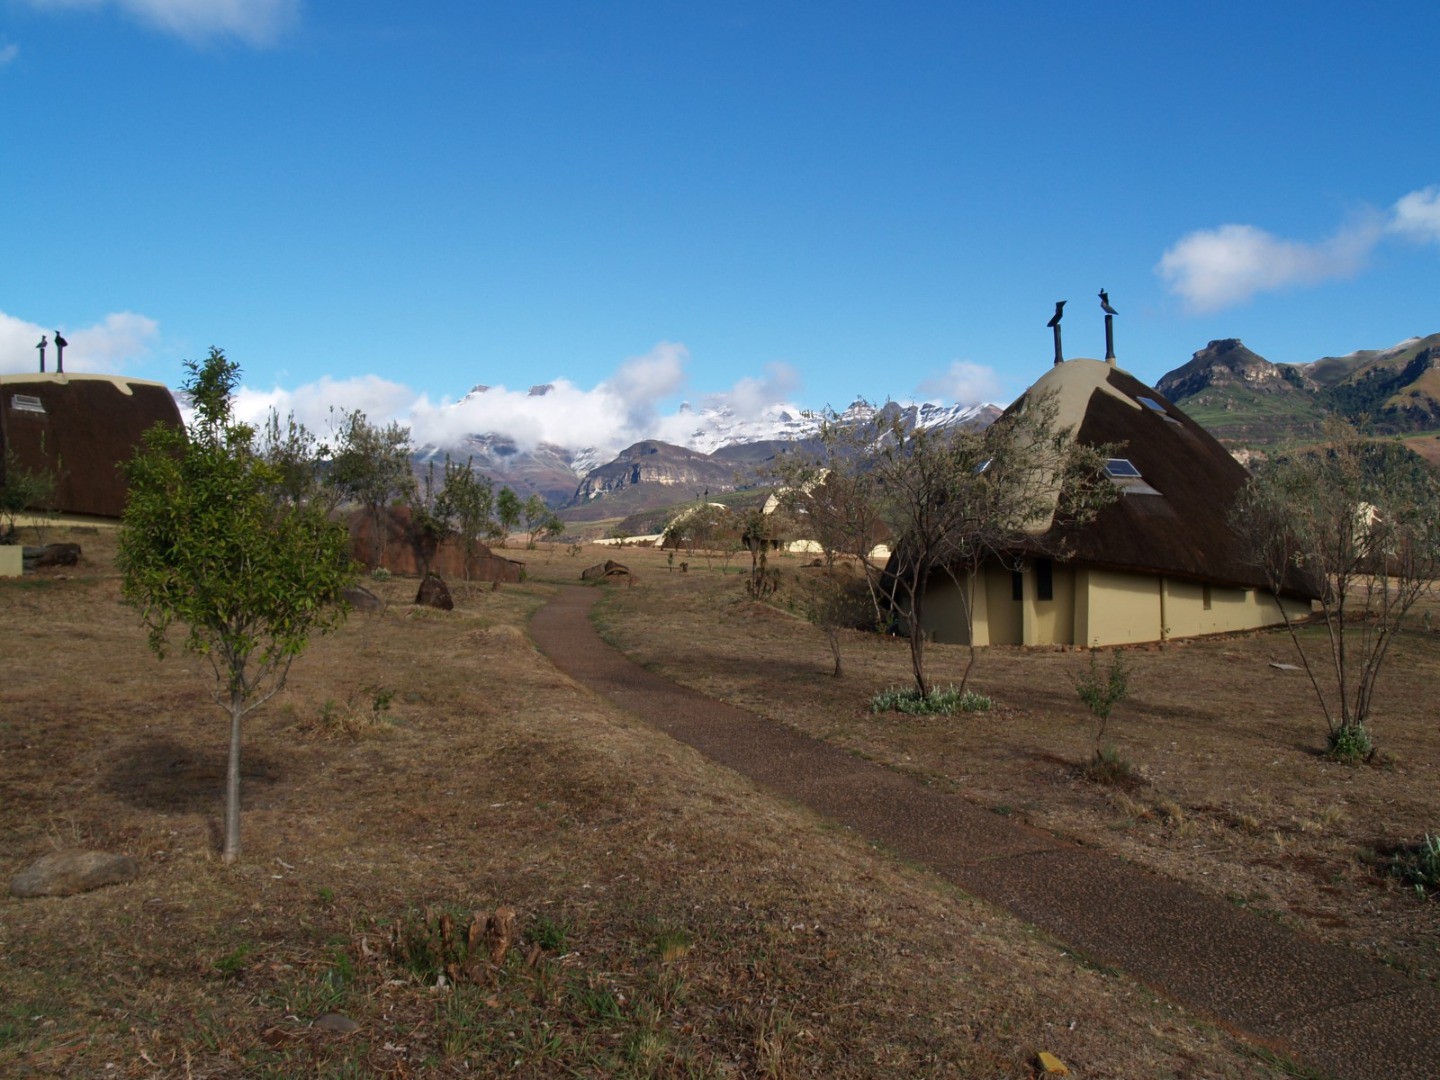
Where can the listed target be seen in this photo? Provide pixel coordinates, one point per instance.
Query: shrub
(940, 701)
(1109, 766)
(1419, 865)
(1350, 744)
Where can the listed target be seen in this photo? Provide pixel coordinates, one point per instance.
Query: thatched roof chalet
(82, 428)
(1160, 561)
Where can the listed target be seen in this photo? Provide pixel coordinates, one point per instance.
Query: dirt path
(1320, 1004)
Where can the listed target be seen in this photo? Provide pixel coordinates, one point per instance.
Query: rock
(609, 568)
(1050, 1065)
(435, 593)
(340, 1025)
(65, 873)
(362, 599)
(52, 555)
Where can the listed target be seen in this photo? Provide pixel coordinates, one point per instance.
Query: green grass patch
(940, 701)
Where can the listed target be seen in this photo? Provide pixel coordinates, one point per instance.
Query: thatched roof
(83, 428)
(1171, 518)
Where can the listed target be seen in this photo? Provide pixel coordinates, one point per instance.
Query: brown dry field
(1236, 797)
(674, 920)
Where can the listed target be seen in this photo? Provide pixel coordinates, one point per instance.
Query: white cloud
(258, 22)
(750, 396)
(965, 382)
(107, 347)
(379, 399)
(610, 416)
(1212, 269)
(1417, 215)
(8, 53)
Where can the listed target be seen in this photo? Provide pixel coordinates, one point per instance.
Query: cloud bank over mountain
(635, 403)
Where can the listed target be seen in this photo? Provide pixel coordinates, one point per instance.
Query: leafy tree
(23, 489)
(468, 499)
(1360, 521)
(758, 532)
(206, 544)
(540, 520)
(837, 508)
(298, 459)
(508, 510)
(432, 517)
(370, 465)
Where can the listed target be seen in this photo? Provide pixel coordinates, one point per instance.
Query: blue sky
(380, 205)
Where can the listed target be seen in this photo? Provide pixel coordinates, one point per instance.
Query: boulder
(362, 599)
(435, 593)
(64, 873)
(609, 568)
(52, 555)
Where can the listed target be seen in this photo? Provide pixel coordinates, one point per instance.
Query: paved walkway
(1322, 1005)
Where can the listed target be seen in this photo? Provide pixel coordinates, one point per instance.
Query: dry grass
(1234, 793)
(672, 921)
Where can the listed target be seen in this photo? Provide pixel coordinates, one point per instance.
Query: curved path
(1321, 1004)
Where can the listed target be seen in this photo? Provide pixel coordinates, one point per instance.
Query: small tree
(370, 465)
(205, 543)
(469, 500)
(298, 461)
(508, 510)
(540, 520)
(1100, 691)
(1358, 521)
(23, 490)
(838, 508)
(432, 516)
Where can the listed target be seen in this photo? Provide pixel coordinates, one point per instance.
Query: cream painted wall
(944, 614)
(12, 560)
(1097, 607)
(1005, 624)
(1119, 608)
(1050, 622)
(1230, 609)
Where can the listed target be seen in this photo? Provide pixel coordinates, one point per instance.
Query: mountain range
(720, 454)
(1247, 402)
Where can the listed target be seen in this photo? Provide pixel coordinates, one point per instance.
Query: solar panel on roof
(1151, 403)
(1119, 466)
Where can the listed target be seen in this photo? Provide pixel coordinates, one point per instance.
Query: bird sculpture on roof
(1105, 303)
(1059, 311)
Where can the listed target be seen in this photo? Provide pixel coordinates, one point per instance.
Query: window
(1158, 409)
(1205, 597)
(1044, 579)
(1127, 477)
(26, 403)
(1017, 585)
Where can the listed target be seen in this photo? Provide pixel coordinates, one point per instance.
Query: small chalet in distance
(1159, 562)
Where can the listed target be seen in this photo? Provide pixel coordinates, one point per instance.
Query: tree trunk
(231, 850)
